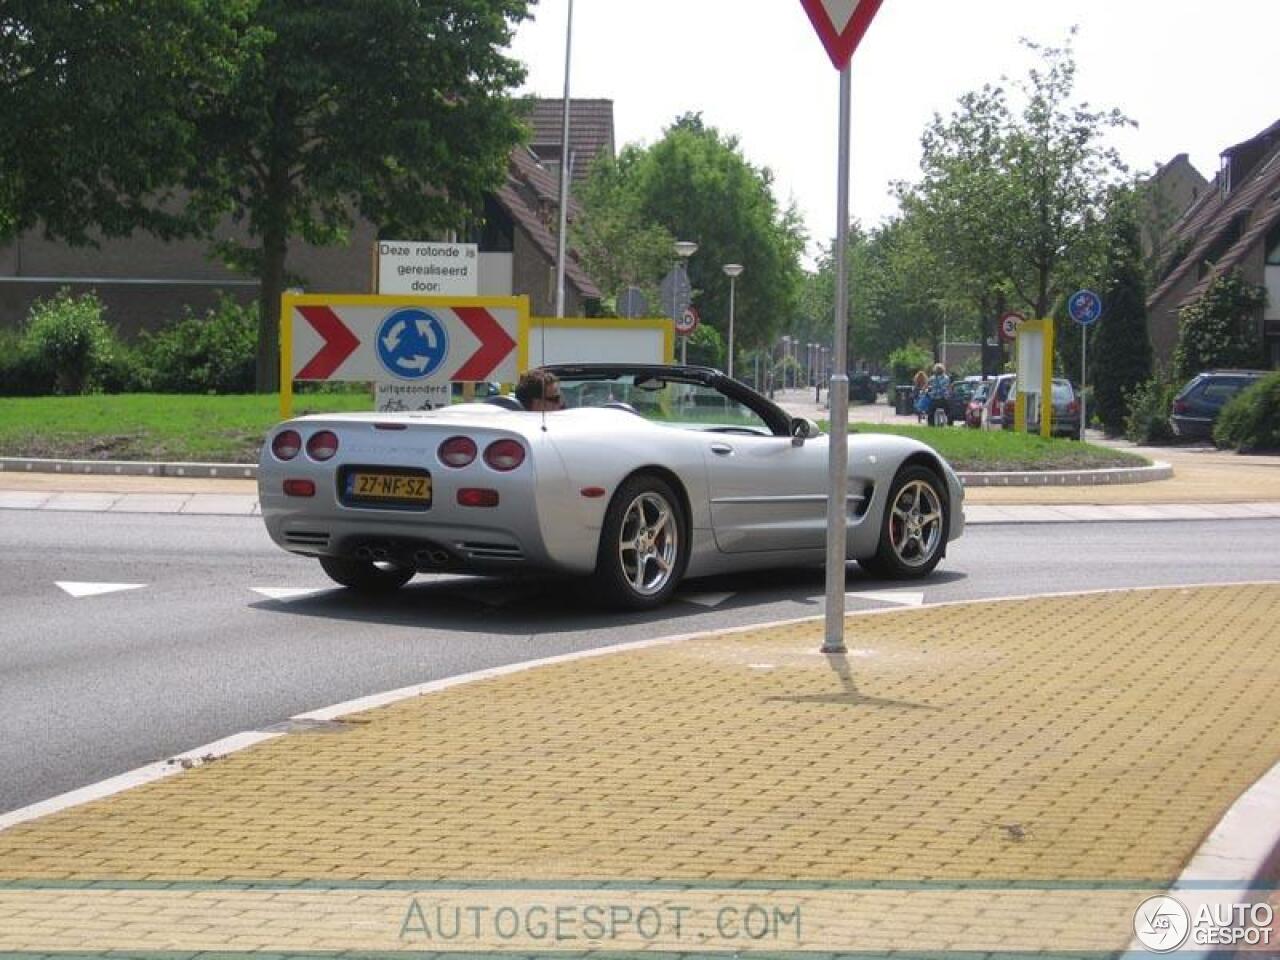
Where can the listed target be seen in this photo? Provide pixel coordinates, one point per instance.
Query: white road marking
(708, 600)
(904, 598)
(85, 589)
(287, 593)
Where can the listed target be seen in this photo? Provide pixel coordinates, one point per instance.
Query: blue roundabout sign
(412, 343)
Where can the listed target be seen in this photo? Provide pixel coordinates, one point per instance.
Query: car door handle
(723, 449)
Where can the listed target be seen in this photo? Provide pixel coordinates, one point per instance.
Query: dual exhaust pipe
(436, 557)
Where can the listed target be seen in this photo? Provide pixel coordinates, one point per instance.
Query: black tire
(365, 576)
(644, 545)
(913, 533)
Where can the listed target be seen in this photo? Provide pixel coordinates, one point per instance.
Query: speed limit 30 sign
(1009, 325)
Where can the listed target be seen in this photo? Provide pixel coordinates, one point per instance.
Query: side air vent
(491, 551)
(306, 538)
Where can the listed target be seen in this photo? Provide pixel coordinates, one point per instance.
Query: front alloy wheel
(914, 530)
(643, 549)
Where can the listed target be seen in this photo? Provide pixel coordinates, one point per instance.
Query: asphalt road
(95, 685)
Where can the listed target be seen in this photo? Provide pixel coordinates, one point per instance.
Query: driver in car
(539, 389)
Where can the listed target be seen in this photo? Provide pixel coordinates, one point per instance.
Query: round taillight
(322, 445)
(286, 444)
(504, 455)
(457, 451)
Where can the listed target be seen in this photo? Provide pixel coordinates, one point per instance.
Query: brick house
(144, 280)
(1235, 224)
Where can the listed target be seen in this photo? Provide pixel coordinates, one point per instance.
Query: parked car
(978, 400)
(1197, 405)
(862, 388)
(999, 397)
(958, 400)
(1066, 411)
(684, 472)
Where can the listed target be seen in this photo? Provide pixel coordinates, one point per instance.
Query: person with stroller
(931, 398)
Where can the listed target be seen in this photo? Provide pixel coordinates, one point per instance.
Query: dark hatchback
(1197, 405)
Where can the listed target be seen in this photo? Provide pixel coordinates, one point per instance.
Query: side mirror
(802, 428)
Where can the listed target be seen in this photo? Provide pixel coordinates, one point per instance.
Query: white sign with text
(428, 268)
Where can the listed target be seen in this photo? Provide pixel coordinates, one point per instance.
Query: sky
(1194, 76)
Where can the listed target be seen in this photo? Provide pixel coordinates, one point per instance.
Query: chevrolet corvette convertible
(648, 475)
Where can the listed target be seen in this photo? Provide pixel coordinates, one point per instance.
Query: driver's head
(539, 389)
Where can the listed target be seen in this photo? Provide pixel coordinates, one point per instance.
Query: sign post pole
(1085, 307)
(838, 398)
(841, 25)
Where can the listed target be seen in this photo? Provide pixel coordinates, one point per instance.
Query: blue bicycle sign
(412, 343)
(1084, 307)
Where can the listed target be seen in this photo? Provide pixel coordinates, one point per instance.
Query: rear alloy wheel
(914, 530)
(366, 576)
(643, 546)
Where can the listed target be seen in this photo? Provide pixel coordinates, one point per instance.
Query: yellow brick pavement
(1088, 738)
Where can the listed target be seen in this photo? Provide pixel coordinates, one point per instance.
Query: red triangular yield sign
(840, 25)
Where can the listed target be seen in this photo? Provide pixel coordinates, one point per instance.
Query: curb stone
(130, 468)
(249, 471)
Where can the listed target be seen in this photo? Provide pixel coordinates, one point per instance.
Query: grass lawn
(230, 429)
(995, 450)
(222, 429)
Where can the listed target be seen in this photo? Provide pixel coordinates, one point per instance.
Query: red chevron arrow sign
(841, 25)
(419, 340)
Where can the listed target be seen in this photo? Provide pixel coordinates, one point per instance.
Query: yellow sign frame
(290, 301)
(662, 324)
(1044, 328)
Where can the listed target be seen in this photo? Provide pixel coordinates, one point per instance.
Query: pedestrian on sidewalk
(938, 390)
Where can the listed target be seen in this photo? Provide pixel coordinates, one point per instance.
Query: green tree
(1061, 174)
(1121, 346)
(1011, 201)
(1221, 328)
(396, 110)
(97, 107)
(962, 205)
(814, 320)
(618, 247)
(696, 183)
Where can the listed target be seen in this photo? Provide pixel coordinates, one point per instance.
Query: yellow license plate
(389, 486)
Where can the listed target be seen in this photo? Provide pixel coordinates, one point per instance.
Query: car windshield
(673, 402)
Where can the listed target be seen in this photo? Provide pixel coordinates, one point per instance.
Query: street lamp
(684, 250)
(732, 271)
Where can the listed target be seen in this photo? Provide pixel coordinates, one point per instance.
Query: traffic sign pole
(1084, 415)
(838, 398)
(841, 25)
(1084, 307)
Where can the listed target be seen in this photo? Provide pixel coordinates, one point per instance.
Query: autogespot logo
(1161, 924)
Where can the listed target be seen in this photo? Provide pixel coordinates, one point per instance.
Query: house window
(1224, 176)
(1271, 280)
(1273, 247)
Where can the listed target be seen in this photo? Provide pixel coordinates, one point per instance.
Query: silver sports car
(649, 475)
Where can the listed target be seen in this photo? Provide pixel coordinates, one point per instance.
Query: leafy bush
(19, 375)
(905, 361)
(1221, 328)
(1251, 420)
(1150, 404)
(707, 347)
(210, 354)
(66, 342)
